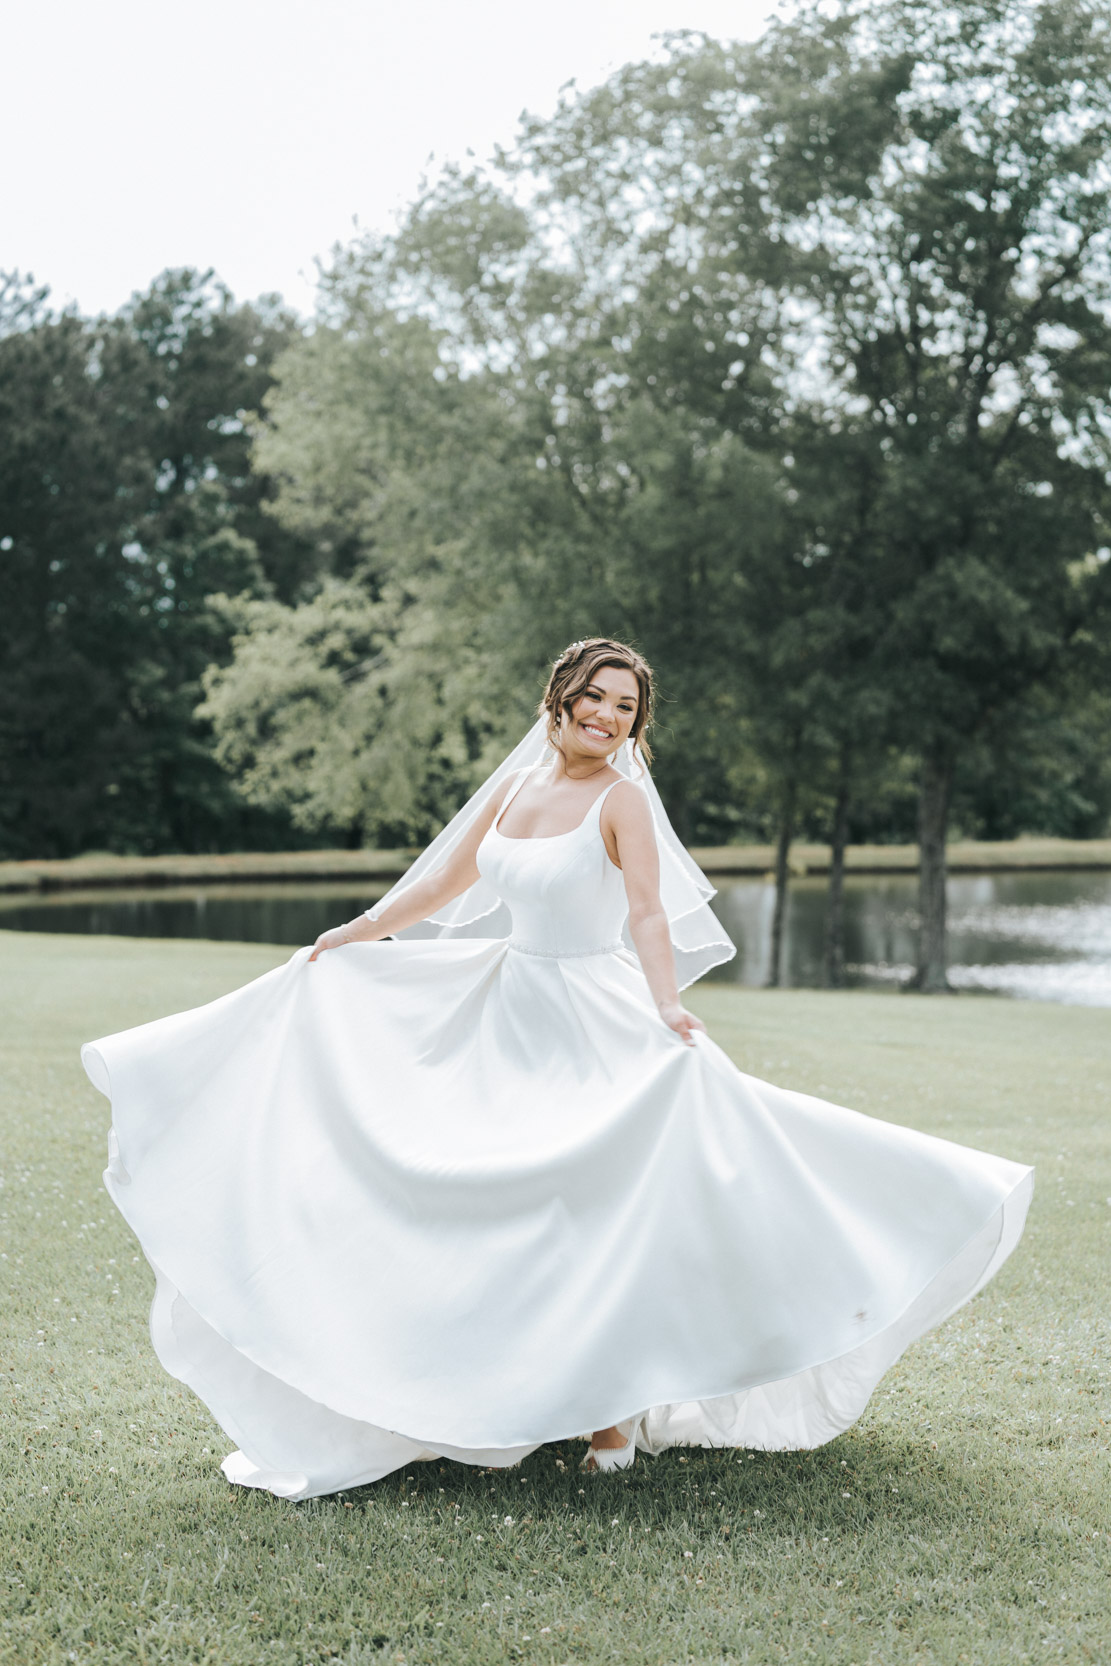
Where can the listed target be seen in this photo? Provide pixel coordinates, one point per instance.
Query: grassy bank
(310, 866)
(962, 1520)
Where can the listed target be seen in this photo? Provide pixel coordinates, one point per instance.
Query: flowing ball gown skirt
(465, 1197)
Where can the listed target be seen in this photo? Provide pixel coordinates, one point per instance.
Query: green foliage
(780, 360)
(1045, 769)
(125, 500)
(784, 360)
(903, 214)
(308, 721)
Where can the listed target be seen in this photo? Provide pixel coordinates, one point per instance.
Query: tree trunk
(782, 874)
(934, 793)
(835, 912)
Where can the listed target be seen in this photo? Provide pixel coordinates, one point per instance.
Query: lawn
(964, 1519)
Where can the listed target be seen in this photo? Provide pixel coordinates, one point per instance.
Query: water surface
(1046, 936)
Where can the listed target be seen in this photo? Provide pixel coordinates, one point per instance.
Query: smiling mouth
(592, 729)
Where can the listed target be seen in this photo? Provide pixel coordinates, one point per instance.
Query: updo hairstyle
(575, 670)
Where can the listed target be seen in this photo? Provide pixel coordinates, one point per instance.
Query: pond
(1046, 936)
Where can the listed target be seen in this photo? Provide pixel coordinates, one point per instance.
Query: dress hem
(1005, 1241)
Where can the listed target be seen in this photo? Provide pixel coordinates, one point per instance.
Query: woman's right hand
(334, 938)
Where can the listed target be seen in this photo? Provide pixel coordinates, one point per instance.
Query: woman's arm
(450, 879)
(627, 819)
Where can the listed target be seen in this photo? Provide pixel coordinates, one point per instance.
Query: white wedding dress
(460, 1198)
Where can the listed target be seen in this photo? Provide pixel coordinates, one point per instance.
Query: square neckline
(546, 838)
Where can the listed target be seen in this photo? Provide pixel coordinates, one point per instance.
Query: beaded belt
(563, 954)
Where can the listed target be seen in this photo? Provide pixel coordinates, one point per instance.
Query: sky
(252, 135)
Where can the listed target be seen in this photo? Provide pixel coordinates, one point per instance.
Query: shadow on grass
(859, 1482)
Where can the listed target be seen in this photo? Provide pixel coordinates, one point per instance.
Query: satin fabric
(698, 939)
(459, 1198)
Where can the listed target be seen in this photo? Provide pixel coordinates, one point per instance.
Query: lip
(596, 731)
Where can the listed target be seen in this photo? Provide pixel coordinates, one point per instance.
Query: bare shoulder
(626, 807)
(506, 785)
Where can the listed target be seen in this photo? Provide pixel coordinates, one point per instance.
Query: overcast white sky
(248, 135)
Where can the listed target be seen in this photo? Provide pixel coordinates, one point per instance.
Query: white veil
(697, 937)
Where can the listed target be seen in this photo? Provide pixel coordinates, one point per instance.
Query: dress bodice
(565, 895)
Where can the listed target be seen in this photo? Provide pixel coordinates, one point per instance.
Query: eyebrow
(593, 687)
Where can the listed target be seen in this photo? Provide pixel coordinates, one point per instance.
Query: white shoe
(615, 1457)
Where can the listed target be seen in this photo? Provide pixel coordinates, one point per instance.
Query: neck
(579, 769)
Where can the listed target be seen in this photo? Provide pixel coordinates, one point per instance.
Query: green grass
(964, 1519)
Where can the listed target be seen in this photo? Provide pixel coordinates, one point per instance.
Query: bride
(489, 1184)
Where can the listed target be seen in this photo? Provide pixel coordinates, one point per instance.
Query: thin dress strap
(514, 789)
(596, 808)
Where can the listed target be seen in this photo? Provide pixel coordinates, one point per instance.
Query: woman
(460, 1195)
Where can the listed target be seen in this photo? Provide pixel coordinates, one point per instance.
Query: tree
(125, 500)
(918, 199)
(297, 713)
(414, 482)
(66, 588)
(775, 358)
(504, 499)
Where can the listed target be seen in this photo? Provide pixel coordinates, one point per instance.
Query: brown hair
(575, 670)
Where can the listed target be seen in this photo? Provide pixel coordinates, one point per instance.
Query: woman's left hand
(684, 1023)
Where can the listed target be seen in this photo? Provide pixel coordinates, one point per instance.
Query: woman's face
(603, 714)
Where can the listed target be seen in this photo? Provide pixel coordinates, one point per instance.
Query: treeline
(788, 361)
(127, 500)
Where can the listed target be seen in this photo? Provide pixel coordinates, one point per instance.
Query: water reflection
(282, 914)
(1045, 936)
